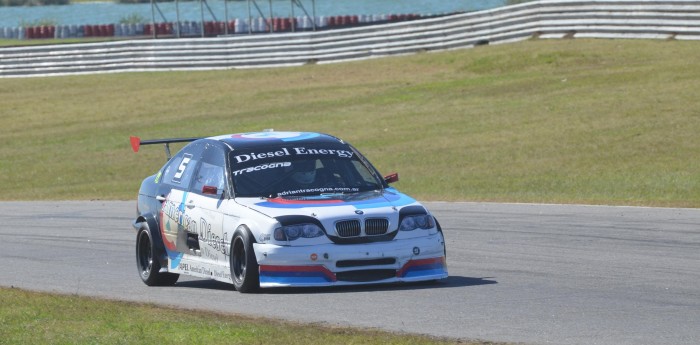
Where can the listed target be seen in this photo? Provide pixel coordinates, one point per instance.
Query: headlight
(419, 221)
(292, 232)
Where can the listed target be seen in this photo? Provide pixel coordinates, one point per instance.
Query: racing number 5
(181, 169)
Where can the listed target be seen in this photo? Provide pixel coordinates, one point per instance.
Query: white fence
(545, 19)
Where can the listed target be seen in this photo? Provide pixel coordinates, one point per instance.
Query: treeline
(33, 2)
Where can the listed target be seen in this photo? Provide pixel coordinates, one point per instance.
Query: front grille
(348, 228)
(376, 226)
(367, 262)
(365, 275)
(363, 239)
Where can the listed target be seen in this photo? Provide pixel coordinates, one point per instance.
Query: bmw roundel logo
(359, 212)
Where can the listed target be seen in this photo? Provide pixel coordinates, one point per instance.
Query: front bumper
(407, 260)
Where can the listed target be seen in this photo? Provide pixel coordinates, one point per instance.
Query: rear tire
(244, 265)
(147, 261)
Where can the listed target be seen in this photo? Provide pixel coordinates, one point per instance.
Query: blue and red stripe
(390, 198)
(296, 274)
(422, 267)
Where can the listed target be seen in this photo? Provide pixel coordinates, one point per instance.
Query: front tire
(147, 262)
(244, 265)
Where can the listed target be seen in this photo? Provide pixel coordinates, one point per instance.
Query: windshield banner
(292, 151)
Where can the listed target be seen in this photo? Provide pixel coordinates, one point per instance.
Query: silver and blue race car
(275, 209)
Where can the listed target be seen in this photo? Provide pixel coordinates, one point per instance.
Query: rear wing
(136, 143)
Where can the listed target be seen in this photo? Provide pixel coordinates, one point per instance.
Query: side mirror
(391, 178)
(211, 190)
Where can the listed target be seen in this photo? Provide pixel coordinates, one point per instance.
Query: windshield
(300, 170)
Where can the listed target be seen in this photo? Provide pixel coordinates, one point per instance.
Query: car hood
(385, 203)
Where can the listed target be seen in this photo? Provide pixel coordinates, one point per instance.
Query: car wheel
(244, 265)
(147, 262)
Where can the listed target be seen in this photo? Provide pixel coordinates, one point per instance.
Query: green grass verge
(40, 318)
(553, 121)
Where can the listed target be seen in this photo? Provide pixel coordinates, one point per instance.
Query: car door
(176, 219)
(205, 204)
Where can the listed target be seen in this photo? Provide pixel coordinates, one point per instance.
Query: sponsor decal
(158, 176)
(174, 257)
(211, 255)
(212, 240)
(262, 155)
(320, 190)
(262, 167)
(191, 268)
(339, 153)
(292, 151)
(165, 220)
(173, 212)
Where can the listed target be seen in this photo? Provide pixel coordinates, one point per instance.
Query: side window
(179, 171)
(364, 173)
(211, 172)
(209, 175)
(181, 168)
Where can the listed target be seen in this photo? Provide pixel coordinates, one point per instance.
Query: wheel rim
(239, 261)
(144, 255)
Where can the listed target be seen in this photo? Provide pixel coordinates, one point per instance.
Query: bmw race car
(273, 209)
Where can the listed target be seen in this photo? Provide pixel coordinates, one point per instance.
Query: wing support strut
(136, 143)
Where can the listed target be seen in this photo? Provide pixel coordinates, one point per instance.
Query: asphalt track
(532, 274)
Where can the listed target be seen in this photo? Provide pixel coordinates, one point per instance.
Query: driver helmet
(305, 171)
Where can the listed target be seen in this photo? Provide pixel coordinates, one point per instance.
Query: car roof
(252, 140)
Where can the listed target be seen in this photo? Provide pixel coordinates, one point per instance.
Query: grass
(40, 318)
(550, 121)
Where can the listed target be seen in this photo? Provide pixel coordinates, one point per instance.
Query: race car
(280, 209)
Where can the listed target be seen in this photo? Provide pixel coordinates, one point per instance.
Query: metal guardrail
(544, 19)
